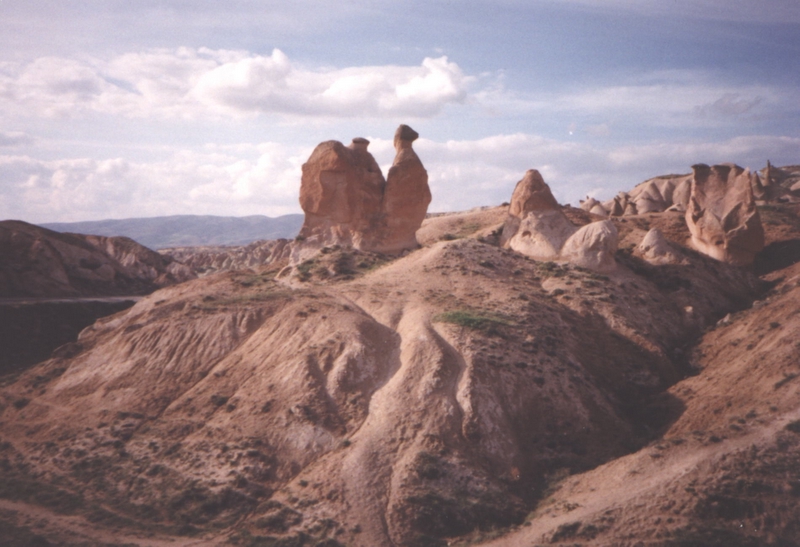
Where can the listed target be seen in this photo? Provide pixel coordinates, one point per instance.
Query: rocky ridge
(43, 263)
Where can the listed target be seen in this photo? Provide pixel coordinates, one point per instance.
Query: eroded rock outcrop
(664, 193)
(348, 202)
(592, 246)
(340, 192)
(656, 249)
(722, 215)
(537, 227)
(406, 196)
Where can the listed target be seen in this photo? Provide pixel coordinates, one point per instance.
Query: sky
(120, 109)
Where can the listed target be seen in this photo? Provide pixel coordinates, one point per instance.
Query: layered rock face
(537, 227)
(722, 215)
(348, 202)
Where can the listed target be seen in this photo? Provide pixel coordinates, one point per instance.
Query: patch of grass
(473, 320)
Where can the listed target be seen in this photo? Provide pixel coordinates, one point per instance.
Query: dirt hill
(38, 262)
(454, 393)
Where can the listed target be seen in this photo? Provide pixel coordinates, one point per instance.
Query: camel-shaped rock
(347, 201)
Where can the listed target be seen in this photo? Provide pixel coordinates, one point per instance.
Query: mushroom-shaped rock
(655, 248)
(593, 246)
(722, 215)
(536, 226)
(406, 197)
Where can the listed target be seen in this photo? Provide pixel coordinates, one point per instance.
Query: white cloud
(264, 180)
(192, 83)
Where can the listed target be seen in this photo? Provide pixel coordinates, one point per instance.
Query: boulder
(722, 215)
(593, 246)
(656, 249)
(536, 226)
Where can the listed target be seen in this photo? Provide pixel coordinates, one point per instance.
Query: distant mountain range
(188, 230)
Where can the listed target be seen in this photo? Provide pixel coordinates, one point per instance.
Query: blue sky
(114, 109)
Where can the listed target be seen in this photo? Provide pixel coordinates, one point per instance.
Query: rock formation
(722, 215)
(670, 192)
(779, 183)
(537, 227)
(656, 249)
(211, 259)
(406, 197)
(341, 192)
(347, 201)
(592, 246)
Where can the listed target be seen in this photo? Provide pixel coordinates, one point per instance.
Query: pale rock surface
(722, 215)
(593, 246)
(593, 206)
(670, 192)
(535, 226)
(656, 249)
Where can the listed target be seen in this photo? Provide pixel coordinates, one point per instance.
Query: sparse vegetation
(473, 320)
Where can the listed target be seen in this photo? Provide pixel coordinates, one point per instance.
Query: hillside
(188, 230)
(38, 262)
(442, 393)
